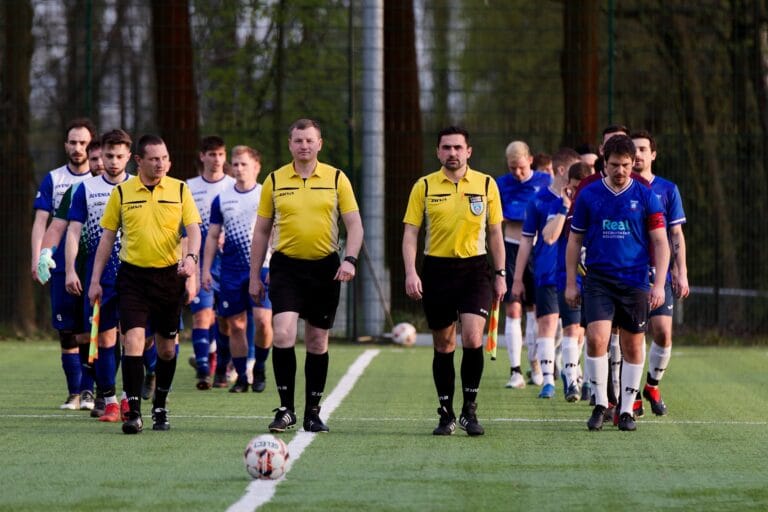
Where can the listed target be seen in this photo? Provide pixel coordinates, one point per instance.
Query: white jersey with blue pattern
(203, 192)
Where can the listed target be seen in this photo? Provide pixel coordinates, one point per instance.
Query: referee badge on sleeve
(476, 205)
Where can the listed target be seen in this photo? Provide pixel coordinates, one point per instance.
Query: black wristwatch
(501, 272)
(351, 259)
(194, 257)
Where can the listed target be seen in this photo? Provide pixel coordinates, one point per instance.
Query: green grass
(710, 453)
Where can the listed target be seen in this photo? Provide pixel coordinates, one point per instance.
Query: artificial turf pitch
(709, 453)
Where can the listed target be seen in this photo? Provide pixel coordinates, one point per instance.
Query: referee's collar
(138, 184)
(321, 170)
(466, 177)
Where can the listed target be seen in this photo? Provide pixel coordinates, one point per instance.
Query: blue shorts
(668, 307)
(510, 250)
(234, 297)
(546, 301)
(66, 309)
(569, 315)
(606, 298)
(109, 317)
(203, 300)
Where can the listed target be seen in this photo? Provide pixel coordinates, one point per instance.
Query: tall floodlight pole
(372, 269)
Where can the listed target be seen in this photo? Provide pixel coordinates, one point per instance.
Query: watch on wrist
(351, 259)
(501, 272)
(194, 257)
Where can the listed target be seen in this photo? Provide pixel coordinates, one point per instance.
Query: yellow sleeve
(111, 218)
(414, 213)
(495, 215)
(189, 213)
(266, 203)
(347, 201)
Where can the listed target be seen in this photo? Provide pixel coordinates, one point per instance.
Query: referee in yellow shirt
(462, 212)
(149, 210)
(303, 202)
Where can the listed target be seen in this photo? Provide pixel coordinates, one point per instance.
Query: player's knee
(67, 340)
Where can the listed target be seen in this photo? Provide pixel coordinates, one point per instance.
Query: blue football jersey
(539, 211)
(615, 229)
(516, 194)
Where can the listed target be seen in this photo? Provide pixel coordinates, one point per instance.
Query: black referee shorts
(150, 296)
(453, 286)
(306, 287)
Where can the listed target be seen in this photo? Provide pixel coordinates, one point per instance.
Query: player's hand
(94, 292)
(680, 285)
(413, 286)
(572, 296)
(256, 290)
(518, 290)
(656, 297)
(207, 281)
(44, 265)
(72, 284)
(346, 272)
(566, 194)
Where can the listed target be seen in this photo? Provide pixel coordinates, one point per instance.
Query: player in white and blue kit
(619, 221)
(66, 310)
(677, 279)
(517, 187)
(234, 212)
(541, 210)
(88, 203)
(204, 188)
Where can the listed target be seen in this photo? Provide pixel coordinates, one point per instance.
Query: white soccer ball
(404, 334)
(266, 457)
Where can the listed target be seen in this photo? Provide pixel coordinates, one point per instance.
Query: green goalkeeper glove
(45, 264)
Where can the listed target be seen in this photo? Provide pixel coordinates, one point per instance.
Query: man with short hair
(303, 201)
(88, 203)
(677, 279)
(154, 275)
(618, 220)
(66, 309)
(544, 206)
(211, 182)
(233, 213)
(517, 187)
(461, 210)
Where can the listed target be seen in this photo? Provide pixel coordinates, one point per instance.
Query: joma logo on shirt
(283, 194)
(615, 225)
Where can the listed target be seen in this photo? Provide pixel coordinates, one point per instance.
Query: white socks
(631, 375)
(570, 348)
(545, 349)
(513, 334)
(658, 359)
(531, 327)
(597, 369)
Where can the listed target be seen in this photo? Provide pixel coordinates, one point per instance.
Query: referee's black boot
(447, 425)
(312, 421)
(468, 420)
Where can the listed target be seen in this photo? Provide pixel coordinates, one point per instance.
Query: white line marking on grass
(260, 492)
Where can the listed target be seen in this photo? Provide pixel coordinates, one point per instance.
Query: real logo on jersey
(615, 228)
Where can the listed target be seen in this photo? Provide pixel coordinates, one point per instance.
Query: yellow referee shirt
(456, 214)
(151, 221)
(305, 212)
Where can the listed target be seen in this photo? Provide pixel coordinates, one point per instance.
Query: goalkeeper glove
(45, 263)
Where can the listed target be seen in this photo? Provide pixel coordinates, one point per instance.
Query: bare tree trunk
(402, 128)
(177, 112)
(580, 71)
(17, 303)
(441, 16)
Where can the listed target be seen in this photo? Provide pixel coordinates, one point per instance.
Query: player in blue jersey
(618, 221)
(66, 310)
(677, 280)
(517, 187)
(88, 203)
(233, 212)
(211, 182)
(544, 206)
